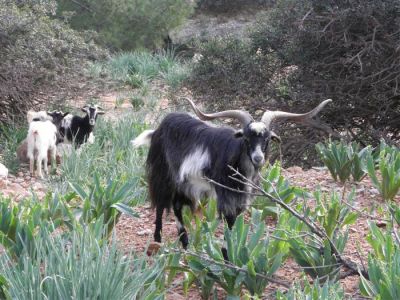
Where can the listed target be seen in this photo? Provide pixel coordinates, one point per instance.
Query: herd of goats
(188, 159)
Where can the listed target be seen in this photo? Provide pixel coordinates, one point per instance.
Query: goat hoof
(225, 254)
(153, 248)
(184, 240)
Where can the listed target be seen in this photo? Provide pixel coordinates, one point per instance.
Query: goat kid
(185, 153)
(79, 130)
(42, 138)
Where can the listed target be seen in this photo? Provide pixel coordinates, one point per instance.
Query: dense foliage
(36, 53)
(302, 52)
(125, 24)
(344, 50)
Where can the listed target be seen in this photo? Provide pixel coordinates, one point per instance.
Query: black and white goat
(186, 152)
(78, 129)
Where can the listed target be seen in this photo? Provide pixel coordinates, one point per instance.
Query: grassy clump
(138, 68)
(79, 265)
(11, 136)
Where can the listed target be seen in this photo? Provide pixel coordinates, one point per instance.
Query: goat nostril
(257, 159)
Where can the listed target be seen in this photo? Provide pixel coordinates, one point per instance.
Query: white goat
(42, 137)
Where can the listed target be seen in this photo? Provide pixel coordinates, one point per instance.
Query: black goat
(186, 152)
(57, 118)
(78, 129)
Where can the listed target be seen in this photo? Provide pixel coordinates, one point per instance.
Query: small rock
(144, 232)
(295, 169)
(374, 191)
(3, 170)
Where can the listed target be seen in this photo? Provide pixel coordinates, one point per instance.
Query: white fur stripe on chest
(193, 164)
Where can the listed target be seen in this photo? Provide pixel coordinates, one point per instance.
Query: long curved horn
(270, 116)
(242, 116)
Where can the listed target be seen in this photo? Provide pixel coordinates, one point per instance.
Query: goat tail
(143, 139)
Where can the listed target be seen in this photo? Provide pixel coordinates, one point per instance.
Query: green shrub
(107, 200)
(19, 222)
(315, 254)
(176, 75)
(253, 256)
(231, 71)
(389, 167)
(36, 51)
(307, 291)
(343, 160)
(79, 265)
(127, 25)
(383, 266)
(139, 67)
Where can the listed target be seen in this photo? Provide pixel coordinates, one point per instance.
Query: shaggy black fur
(178, 136)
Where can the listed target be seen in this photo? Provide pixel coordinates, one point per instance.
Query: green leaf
(351, 218)
(125, 209)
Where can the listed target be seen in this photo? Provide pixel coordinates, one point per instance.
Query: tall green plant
(19, 224)
(315, 254)
(315, 291)
(388, 183)
(107, 200)
(343, 160)
(252, 257)
(78, 265)
(383, 266)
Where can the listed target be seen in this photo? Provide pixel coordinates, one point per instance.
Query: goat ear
(85, 109)
(275, 137)
(50, 113)
(238, 133)
(101, 112)
(67, 113)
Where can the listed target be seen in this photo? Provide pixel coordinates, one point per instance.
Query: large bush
(344, 50)
(302, 52)
(127, 24)
(36, 51)
(230, 73)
